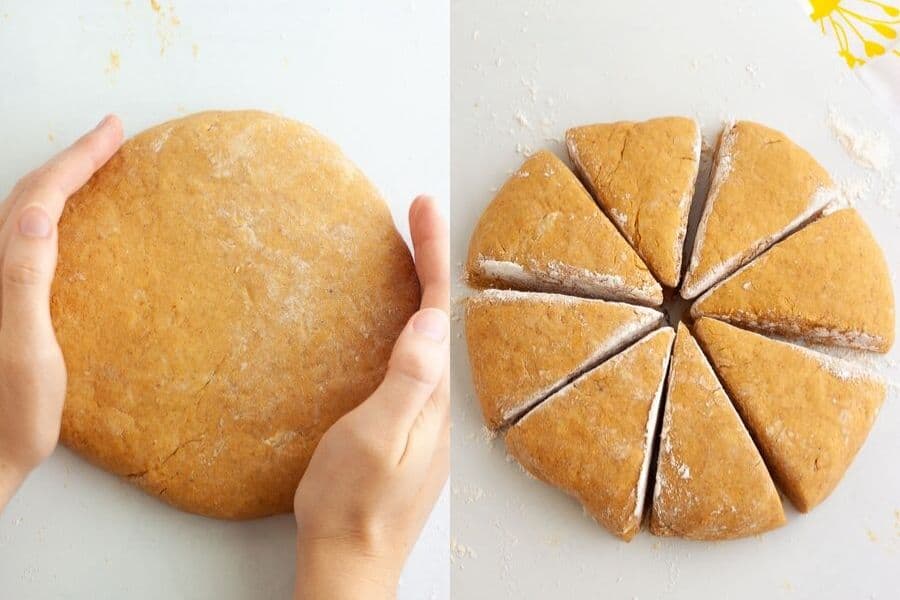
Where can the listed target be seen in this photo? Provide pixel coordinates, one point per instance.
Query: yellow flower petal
(822, 8)
(884, 30)
(873, 48)
(849, 58)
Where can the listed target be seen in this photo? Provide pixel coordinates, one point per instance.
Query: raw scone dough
(808, 412)
(229, 284)
(711, 483)
(543, 232)
(524, 346)
(643, 175)
(763, 187)
(828, 283)
(593, 438)
(773, 253)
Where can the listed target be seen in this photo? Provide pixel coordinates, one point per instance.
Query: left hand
(32, 371)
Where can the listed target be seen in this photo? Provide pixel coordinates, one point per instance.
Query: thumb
(414, 371)
(27, 274)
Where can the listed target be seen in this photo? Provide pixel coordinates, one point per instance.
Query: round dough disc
(229, 285)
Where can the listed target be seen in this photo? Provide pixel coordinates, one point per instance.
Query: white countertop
(372, 76)
(522, 72)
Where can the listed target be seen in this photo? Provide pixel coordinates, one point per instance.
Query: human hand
(32, 371)
(378, 471)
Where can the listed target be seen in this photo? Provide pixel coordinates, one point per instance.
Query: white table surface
(522, 72)
(372, 76)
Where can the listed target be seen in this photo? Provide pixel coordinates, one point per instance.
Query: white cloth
(882, 77)
(860, 30)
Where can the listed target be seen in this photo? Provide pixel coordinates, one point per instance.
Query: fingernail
(103, 122)
(34, 222)
(432, 323)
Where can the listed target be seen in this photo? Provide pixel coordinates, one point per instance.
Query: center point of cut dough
(675, 308)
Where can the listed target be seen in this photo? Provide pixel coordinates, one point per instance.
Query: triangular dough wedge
(809, 412)
(827, 283)
(763, 187)
(643, 175)
(711, 482)
(524, 346)
(594, 437)
(543, 232)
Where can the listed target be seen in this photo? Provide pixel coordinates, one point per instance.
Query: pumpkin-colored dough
(808, 412)
(543, 232)
(594, 437)
(763, 187)
(711, 482)
(229, 284)
(643, 175)
(827, 283)
(523, 346)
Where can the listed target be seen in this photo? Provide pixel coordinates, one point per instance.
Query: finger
(414, 371)
(431, 245)
(27, 274)
(53, 183)
(5, 210)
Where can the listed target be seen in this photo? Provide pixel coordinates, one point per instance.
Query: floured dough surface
(711, 483)
(524, 346)
(593, 438)
(774, 253)
(808, 412)
(763, 187)
(828, 283)
(229, 284)
(543, 231)
(643, 175)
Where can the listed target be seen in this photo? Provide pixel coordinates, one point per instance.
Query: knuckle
(26, 182)
(38, 183)
(370, 448)
(44, 186)
(22, 273)
(342, 428)
(416, 366)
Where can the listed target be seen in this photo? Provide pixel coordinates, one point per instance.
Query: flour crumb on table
(115, 62)
(469, 493)
(460, 552)
(871, 149)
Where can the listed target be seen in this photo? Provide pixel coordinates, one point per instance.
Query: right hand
(378, 471)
